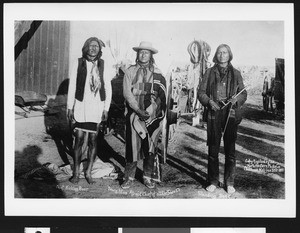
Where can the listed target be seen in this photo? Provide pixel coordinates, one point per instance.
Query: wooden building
(41, 55)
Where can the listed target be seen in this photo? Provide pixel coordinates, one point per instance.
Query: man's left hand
(104, 115)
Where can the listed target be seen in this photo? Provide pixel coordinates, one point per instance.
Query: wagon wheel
(169, 122)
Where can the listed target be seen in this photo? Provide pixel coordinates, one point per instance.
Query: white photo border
(132, 207)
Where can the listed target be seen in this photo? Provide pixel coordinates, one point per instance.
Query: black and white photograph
(183, 108)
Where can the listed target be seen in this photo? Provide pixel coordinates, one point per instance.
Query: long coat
(207, 90)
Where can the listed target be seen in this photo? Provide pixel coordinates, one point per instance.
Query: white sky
(252, 42)
(255, 32)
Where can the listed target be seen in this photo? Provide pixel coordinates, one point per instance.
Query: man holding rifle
(222, 91)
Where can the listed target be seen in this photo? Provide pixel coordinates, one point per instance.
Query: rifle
(230, 108)
(225, 104)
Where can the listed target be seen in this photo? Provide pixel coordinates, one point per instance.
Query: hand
(104, 115)
(102, 127)
(70, 115)
(214, 106)
(143, 115)
(233, 100)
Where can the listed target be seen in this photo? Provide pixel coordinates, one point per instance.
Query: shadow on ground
(255, 113)
(32, 180)
(186, 166)
(188, 162)
(57, 125)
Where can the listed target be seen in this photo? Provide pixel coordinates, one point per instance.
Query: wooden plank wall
(44, 64)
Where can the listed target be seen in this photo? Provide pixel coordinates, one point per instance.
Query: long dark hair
(215, 59)
(151, 61)
(86, 45)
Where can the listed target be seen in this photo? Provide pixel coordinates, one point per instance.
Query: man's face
(93, 49)
(223, 55)
(144, 56)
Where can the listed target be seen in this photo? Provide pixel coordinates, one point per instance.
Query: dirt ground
(260, 156)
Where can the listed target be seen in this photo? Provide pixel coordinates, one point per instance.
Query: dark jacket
(208, 89)
(81, 78)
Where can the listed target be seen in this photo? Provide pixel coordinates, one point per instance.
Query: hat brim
(153, 50)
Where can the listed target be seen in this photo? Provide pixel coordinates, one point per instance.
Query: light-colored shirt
(91, 108)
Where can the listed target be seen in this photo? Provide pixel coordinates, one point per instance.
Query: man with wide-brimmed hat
(144, 90)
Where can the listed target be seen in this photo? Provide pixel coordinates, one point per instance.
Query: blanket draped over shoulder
(150, 96)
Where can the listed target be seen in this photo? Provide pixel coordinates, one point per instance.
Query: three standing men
(144, 89)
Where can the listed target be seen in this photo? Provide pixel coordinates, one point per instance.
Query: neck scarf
(143, 71)
(94, 81)
(222, 70)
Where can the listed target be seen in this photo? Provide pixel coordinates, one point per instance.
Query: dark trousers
(229, 137)
(148, 165)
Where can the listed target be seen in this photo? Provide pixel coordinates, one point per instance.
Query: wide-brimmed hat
(145, 45)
